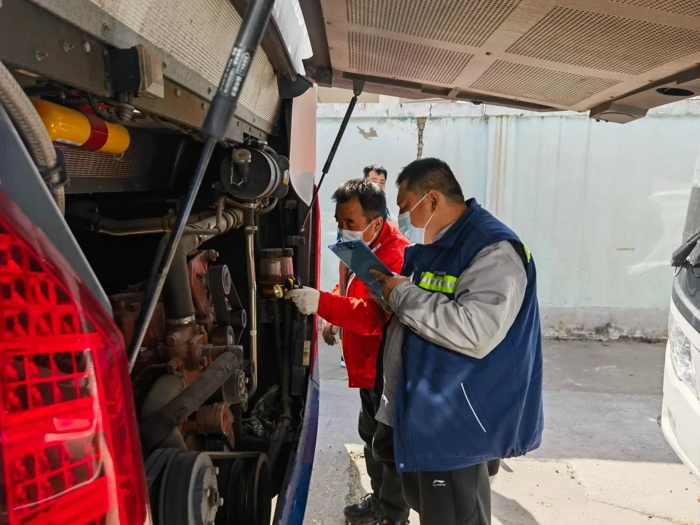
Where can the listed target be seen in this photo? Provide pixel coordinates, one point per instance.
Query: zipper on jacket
(472, 408)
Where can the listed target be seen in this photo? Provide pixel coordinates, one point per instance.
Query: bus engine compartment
(220, 382)
(221, 307)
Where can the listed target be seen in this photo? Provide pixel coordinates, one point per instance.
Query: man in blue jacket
(462, 354)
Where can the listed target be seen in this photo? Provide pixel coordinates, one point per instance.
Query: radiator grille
(136, 162)
(546, 86)
(396, 58)
(463, 22)
(622, 45)
(679, 7)
(197, 34)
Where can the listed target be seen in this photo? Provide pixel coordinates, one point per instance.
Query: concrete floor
(604, 459)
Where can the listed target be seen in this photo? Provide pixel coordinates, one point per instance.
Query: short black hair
(378, 168)
(371, 197)
(424, 175)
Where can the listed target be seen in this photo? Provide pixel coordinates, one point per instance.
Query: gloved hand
(328, 332)
(305, 299)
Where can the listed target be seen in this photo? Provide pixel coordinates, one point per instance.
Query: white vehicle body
(680, 417)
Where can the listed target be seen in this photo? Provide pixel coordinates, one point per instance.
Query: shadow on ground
(509, 511)
(603, 460)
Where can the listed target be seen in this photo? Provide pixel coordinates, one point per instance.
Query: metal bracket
(358, 85)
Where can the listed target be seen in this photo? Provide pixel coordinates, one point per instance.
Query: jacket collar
(386, 234)
(468, 218)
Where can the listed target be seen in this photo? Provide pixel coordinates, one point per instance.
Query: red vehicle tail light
(69, 449)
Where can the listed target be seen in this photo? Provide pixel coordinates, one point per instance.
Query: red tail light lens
(69, 446)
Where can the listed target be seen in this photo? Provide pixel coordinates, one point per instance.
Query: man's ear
(380, 223)
(434, 197)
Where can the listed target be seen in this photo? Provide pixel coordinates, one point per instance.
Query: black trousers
(457, 497)
(379, 458)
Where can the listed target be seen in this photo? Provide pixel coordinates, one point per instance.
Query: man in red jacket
(361, 214)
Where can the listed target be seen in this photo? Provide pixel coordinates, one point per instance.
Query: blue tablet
(357, 256)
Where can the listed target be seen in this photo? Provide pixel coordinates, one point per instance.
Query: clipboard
(357, 256)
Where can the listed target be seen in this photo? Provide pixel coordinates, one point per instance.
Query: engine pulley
(246, 485)
(227, 304)
(189, 493)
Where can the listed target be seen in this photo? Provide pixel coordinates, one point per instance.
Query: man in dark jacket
(360, 213)
(462, 355)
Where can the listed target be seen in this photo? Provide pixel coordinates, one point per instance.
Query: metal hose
(165, 419)
(252, 308)
(257, 205)
(31, 129)
(203, 223)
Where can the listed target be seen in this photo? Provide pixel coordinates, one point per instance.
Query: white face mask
(349, 235)
(413, 233)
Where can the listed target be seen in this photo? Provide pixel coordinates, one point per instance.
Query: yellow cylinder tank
(70, 126)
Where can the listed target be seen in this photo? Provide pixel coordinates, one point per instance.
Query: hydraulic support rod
(358, 85)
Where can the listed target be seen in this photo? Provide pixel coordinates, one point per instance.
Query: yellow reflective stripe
(528, 255)
(443, 283)
(445, 278)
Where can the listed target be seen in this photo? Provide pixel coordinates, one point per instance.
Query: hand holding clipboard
(388, 282)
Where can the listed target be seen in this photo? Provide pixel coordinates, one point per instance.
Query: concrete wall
(600, 205)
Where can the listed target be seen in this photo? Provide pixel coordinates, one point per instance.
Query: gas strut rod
(216, 123)
(357, 87)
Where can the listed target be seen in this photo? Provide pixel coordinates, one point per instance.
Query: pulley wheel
(246, 485)
(189, 493)
(157, 466)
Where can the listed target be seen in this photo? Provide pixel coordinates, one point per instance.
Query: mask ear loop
(431, 217)
(380, 229)
(416, 204)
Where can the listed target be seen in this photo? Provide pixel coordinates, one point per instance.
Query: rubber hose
(164, 390)
(177, 293)
(30, 127)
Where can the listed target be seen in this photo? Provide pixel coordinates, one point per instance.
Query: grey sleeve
(488, 297)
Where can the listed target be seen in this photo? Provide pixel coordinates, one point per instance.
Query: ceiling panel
(680, 7)
(396, 58)
(463, 22)
(542, 54)
(554, 87)
(609, 43)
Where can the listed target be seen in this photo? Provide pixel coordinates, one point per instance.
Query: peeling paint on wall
(369, 135)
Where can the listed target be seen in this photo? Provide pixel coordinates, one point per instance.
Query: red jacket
(360, 316)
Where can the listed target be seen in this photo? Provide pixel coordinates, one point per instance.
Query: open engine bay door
(615, 58)
(185, 45)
